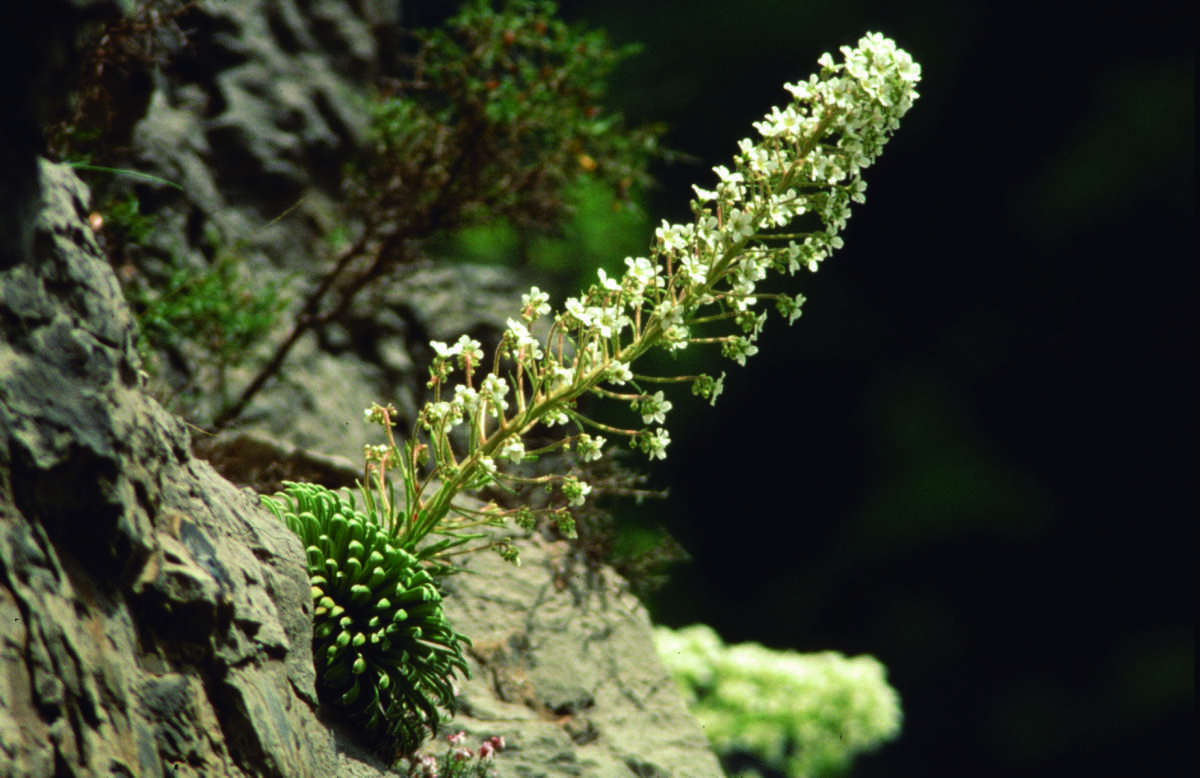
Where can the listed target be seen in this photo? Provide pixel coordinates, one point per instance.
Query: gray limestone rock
(564, 667)
(157, 620)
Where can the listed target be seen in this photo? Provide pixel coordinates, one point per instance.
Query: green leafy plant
(699, 282)
(802, 715)
(385, 655)
(496, 115)
(221, 312)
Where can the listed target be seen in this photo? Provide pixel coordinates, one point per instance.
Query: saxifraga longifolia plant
(698, 283)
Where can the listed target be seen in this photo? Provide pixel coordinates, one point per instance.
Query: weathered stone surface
(157, 620)
(380, 355)
(564, 666)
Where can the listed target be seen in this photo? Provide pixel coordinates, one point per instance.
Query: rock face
(564, 666)
(154, 620)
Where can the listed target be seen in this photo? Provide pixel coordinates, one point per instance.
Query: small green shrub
(495, 116)
(220, 313)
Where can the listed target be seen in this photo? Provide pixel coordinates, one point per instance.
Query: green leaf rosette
(384, 653)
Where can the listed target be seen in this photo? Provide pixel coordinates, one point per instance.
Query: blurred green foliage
(780, 712)
(125, 223)
(601, 232)
(497, 118)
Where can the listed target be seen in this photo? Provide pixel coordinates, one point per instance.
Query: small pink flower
(486, 750)
(428, 766)
(454, 740)
(497, 742)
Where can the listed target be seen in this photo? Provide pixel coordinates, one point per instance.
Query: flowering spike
(806, 161)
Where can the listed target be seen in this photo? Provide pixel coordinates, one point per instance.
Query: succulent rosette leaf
(384, 652)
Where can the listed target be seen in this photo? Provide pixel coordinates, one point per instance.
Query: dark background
(974, 456)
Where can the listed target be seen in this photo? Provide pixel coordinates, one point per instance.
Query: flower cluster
(458, 761)
(698, 285)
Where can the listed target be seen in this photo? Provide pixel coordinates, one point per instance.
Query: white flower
(469, 348)
(608, 321)
(742, 223)
(513, 450)
(695, 269)
(578, 313)
(439, 413)
(654, 408)
(519, 339)
(738, 348)
(674, 237)
(790, 307)
(558, 375)
(608, 284)
(670, 313)
(642, 274)
(675, 338)
(656, 444)
(590, 447)
(575, 490)
(618, 373)
(466, 399)
(494, 389)
(793, 253)
(534, 304)
(802, 90)
(727, 177)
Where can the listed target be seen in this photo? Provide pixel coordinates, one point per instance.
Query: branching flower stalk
(805, 169)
